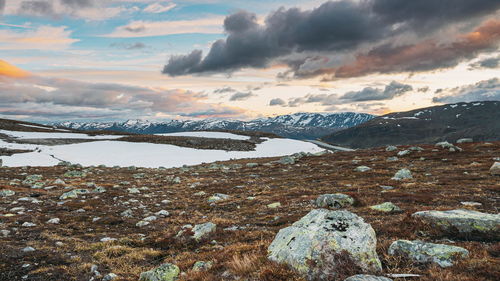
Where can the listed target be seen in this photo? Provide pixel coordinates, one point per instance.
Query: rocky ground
(101, 223)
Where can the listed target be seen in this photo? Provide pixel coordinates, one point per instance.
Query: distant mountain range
(477, 120)
(297, 126)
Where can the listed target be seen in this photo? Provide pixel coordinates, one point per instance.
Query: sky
(103, 60)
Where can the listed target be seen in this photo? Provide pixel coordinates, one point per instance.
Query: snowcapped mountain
(297, 126)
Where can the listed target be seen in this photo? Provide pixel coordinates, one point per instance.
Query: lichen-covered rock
(449, 146)
(74, 174)
(336, 200)
(287, 160)
(202, 265)
(423, 252)
(391, 148)
(402, 174)
(165, 272)
(387, 207)
(73, 193)
(203, 230)
(464, 223)
(364, 277)
(495, 169)
(323, 231)
(6, 193)
(218, 197)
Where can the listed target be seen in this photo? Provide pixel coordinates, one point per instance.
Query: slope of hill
(477, 120)
(297, 126)
(126, 220)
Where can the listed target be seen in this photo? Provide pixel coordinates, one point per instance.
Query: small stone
(162, 213)
(201, 193)
(73, 194)
(28, 249)
(150, 218)
(424, 252)
(362, 169)
(364, 277)
(218, 197)
(336, 200)
(202, 231)
(28, 224)
(142, 223)
(252, 165)
(465, 140)
(5, 232)
(287, 160)
(387, 207)
(202, 265)
(6, 193)
(391, 148)
(54, 221)
(402, 174)
(404, 153)
(127, 213)
(133, 190)
(274, 205)
(165, 272)
(109, 277)
(392, 159)
(495, 169)
(107, 239)
(176, 180)
(471, 204)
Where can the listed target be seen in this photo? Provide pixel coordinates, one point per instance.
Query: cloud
(8, 70)
(423, 56)
(131, 46)
(2, 6)
(141, 28)
(486, 90)
(277, 101)
(78, 3)
(486, 63)
(33, 95)
(241, 96)
(339, 28)
(394, 89)
(367, 94)
(157, 8)
(44, 37)
(37, 8)
(224, 90)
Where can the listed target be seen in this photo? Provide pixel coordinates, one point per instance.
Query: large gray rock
(387, 207)
(73, 193)
(464, 223)
(336, 200)
(6, 193)
(322, 232)
(203, 230)
(364, 277)
(165, 272)
(495, 169)
(423, 252)
(403, 174)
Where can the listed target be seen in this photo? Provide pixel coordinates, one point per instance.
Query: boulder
(387, 207)
(391, 148)
(495, 169)
(464, 223)
(402, 174)
(423, 252)
(364, 277)
(449, 146)
(320, 233)
(218, 197)
(165, 272)
(287, 160)
(6, 193)
(203, 230)
(73, 193)
(202, 265)
(336, 200)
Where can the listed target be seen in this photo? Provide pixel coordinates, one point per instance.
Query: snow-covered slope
(297, 126)
(149, 155)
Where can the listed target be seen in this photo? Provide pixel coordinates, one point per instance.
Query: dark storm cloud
(486, 90)
(135, 29)
(241, 96)
(332, 28)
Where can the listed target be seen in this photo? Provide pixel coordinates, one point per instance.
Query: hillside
(296, 126)
(476, 120)
(70, 222)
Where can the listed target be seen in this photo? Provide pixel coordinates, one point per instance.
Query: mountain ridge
(297, 125)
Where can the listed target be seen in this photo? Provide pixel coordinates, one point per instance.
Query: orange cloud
(7, 69)
(427, 55)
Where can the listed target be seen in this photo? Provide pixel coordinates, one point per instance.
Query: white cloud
(211, 25)
(44, 37)
(157, 8)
